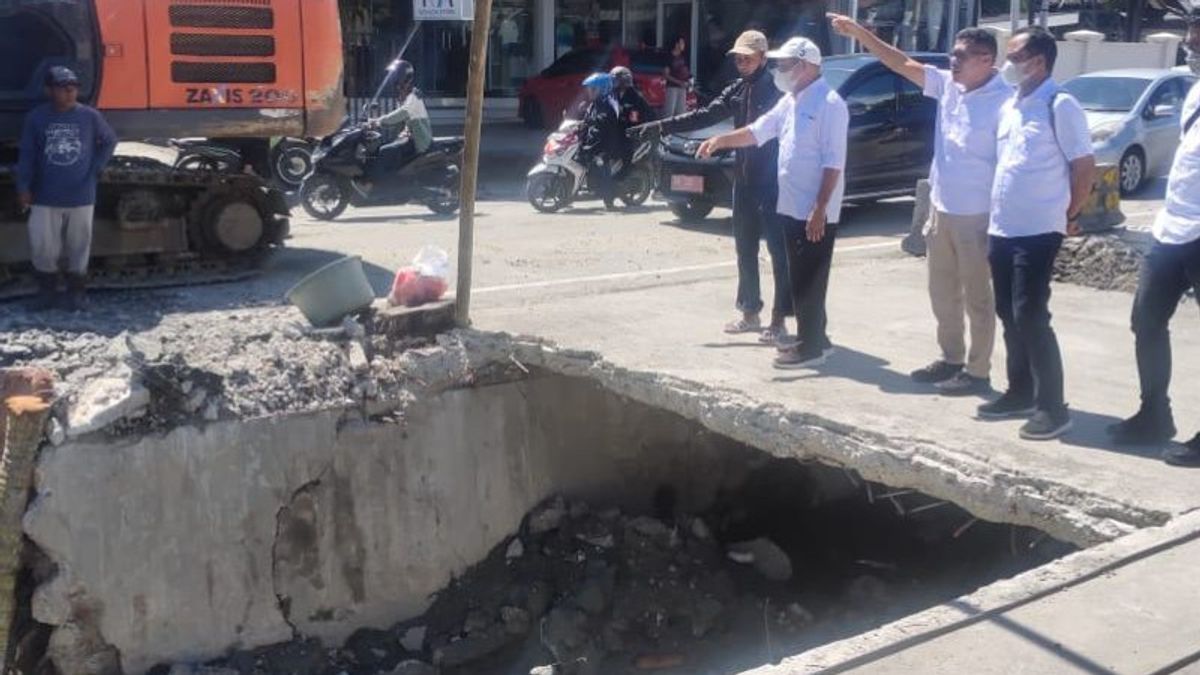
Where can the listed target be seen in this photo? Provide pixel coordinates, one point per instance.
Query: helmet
(601, 82)
(622, 76)
(404, 73)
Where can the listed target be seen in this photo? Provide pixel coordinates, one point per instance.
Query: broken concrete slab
(105, 400)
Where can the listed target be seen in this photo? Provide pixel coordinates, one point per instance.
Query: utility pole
(470, 174)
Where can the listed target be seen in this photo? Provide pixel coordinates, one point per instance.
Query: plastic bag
(423, 281)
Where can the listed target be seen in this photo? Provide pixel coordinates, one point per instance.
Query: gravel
(206, 365)
(1108, 261)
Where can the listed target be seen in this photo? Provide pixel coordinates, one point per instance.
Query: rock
(358, 357)
(413, 668)
(353, 329)
(79, 650)
(537, 601)
(105, 400)
(515, 549)
(196, 399)
(650, 527)
(516, 620)
(603, 541)
(592, 598)
(51, 602)
(705, 615)
(55, 431)
(413, 639)
(188, 669)
(866, 591)
(476, 621)
(544, 670)
(768, 559)
(800, 615)
(472, 648)
(548, 517)
(700, 529)
(212, 411)
(564, 632)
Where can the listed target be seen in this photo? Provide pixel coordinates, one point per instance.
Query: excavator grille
(201, 45)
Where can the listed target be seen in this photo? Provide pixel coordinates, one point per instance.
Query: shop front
(526, 36)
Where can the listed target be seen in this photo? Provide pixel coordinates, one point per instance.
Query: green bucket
(332, 292)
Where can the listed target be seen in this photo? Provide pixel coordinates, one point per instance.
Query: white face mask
(783, 81)
(1013, 74)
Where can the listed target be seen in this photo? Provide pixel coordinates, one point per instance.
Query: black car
(889, 148)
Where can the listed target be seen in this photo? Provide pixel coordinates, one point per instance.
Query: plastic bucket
(332, 292)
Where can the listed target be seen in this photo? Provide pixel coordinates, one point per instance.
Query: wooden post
(470, 173)
(25, 417)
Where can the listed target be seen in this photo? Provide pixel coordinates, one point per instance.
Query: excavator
(243, 70)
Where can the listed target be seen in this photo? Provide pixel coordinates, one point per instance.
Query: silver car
(1133, 115)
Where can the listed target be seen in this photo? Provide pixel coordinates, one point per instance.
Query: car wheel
(1133, 171)
(531, 114)
(691, 213)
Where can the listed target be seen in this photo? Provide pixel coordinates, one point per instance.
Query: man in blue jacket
(64, 146)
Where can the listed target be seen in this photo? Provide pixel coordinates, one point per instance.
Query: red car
(556, 89)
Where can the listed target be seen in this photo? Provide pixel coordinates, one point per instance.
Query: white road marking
(619, 276)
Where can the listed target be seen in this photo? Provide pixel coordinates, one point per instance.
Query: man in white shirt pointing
(1044, 175)
(970, 96)
(810, 122)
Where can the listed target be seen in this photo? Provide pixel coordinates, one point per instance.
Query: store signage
(443, 10)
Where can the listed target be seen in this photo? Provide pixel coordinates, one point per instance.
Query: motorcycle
(561, 177)
(290, 159)
(340, 167)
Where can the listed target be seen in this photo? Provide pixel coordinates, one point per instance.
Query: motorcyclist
(756, 187)
(603, 136)
(417, 133)
(634, 110)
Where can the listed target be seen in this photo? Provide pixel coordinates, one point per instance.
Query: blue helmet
(601, 82)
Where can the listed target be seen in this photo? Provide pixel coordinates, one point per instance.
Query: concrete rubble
(1110, 261)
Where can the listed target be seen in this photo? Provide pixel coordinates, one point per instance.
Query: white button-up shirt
(811, 127)
(964, 146)
(1032, 188)
(1179, 220)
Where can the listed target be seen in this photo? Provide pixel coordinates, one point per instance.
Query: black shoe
(937, 371)
(801, 356)
(47, 292)
(963, 384)
(1044, 426)
(1006, 407)
(1150, 426)
(77, 292)
(1187, 454)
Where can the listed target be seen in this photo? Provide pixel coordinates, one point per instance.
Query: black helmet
(622, 76)
(403, 72)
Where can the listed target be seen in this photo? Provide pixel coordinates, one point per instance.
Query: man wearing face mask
(1171, 267)
(969, 97)
(755, 187)
(1044, 175)
(810, 121)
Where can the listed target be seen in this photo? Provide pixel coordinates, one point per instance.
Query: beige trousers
(960, 283)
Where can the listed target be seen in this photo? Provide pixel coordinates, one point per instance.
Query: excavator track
(160, 227)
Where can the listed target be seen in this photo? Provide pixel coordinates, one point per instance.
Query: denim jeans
(1167, 272)
(808, 270)
(1021, 271)
(754, 219)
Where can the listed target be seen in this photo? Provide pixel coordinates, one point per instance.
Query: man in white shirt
(1044, 175)
(810, 122)
(970, 96)
(1171, 267)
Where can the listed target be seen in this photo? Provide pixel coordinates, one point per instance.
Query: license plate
(682, 183)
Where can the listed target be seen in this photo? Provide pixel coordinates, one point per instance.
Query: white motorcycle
(561, 178)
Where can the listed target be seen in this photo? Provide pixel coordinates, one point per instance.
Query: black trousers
(809, 263)
(601, 179)
(392, 157)
(1167, 272)
(1022, 268)
(754, 219)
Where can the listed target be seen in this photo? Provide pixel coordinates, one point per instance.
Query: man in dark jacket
(755, 189)
(634, 110)
(603, 136)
